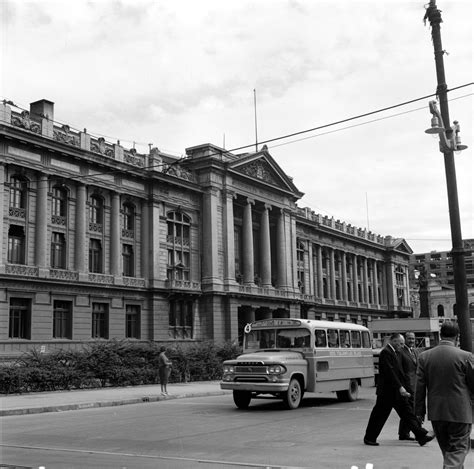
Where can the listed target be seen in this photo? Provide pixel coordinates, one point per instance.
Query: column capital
(249, 201)
(267, 207)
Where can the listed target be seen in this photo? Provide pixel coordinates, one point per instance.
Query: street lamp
(453, 143)
(449, 141)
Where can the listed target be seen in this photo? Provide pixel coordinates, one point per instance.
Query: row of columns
(318, 286)
(248, 268)
(81, 252)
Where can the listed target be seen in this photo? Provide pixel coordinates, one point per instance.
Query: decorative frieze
(63, 274)
(23, 270)
(16, 212)
(23, 120)
(134, 282)
(101, 279)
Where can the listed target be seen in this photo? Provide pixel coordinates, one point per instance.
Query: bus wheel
(242, 399)
(292, 397)
(351, 394)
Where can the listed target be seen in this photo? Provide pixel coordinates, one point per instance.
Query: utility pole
(459, 269)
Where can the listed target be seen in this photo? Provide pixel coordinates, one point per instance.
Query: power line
(294, 133)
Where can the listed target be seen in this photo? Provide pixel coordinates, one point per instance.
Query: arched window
(178, 246)
(59, 205)
(18, 196)
(440, 311)
(400, 284)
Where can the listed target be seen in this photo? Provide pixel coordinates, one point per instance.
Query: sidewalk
(39, 402)
(34, 403)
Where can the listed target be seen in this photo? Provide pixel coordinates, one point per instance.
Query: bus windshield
(277, 338)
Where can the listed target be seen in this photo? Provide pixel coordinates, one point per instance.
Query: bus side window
(333, 338)
(356, 342)
(345, 339)
(320, 336)
(366, 340)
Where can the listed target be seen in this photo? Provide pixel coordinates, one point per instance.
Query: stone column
(247, 244)
(229, 242)
(2, 198)
(210, 261)
(365, 277)
(332, 274)
(81, 229)
(354, 279)
(320, 271)
(265, 250)
(41, 248)
(145, 237)
(281, 252)
(115, 254)
(311, 269)
(344, 276)
(375, 283)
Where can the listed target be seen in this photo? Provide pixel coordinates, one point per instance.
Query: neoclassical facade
(100, 242)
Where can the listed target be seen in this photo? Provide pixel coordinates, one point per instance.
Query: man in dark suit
(446, 374)
(391, 394)
(409, 360)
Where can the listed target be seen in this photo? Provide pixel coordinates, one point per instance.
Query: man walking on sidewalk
(446, 374)
(391, 394)
(409, 362)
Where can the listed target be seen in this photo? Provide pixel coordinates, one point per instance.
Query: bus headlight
(228, 369)
(276, 369)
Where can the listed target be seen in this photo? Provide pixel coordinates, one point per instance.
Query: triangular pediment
(261, 167)
(402, 246)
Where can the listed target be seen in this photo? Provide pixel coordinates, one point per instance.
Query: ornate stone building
(100, 242)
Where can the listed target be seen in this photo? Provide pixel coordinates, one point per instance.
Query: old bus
(285, 358)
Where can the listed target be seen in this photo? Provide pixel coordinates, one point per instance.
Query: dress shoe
(425, 439)
(370, 443)
(406, 438)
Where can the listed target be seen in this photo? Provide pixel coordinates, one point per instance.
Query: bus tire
(242, 399)
(292, 397)
(351, 394)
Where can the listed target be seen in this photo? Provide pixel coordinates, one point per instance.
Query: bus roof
(312, 323)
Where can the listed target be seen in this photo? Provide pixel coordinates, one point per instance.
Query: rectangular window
(356, 341)
(58, 251)
(132, 322)
(20, 319)
(333, 338)
(16, 245)
(95, 256)
(128, 260)
(181, 319)
(320, 336)
(100, 321)
(62, 320)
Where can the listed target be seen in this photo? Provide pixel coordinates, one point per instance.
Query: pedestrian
(409, 360)
(164, 370)
(446, 374)
(391, 394)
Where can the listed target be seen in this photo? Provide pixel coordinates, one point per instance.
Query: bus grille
(260, 369)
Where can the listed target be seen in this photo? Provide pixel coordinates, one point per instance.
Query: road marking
(147, 456)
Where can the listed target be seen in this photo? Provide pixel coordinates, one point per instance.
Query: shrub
(113, 363)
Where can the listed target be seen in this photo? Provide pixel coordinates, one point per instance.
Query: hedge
(113, 363)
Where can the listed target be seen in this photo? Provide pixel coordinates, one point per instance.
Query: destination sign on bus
(277, 323)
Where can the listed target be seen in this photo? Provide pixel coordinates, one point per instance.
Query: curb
(113, 403)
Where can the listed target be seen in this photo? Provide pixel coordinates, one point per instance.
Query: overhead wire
(348, 119)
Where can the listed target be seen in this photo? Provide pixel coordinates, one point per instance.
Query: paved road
(209, 432)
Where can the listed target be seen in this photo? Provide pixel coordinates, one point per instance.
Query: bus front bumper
(269, 388)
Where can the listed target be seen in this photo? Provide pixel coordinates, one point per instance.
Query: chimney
(42, 111)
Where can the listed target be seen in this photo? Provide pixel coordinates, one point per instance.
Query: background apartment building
(100, 242)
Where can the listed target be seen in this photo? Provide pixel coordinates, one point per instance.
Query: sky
(182, 73)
